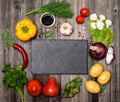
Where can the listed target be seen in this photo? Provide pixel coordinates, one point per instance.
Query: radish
(110, 55)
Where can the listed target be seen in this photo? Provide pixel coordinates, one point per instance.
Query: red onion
(98, 51)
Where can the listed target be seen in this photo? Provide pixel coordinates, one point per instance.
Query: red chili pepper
(24, 54)
(9, 39)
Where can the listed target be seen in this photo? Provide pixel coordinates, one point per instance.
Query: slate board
(59, 56)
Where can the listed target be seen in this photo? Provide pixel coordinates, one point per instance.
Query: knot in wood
(115, 10)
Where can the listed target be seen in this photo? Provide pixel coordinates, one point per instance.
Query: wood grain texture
(11, 11)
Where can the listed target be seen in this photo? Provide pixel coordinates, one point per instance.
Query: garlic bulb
(66, 28)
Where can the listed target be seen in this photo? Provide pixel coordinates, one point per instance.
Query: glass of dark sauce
(47, 19)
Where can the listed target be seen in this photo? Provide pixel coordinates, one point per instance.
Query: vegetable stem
(35, 11)
(20, 93)
(25, 29)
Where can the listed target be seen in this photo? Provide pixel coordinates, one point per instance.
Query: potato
(92, 86)
(104, 77)
(96, 70)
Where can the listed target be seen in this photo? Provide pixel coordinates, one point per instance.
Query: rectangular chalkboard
(59, 56)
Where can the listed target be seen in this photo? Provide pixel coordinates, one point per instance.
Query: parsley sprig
(14, 78)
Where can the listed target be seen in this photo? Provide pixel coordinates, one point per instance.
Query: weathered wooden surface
(11, 11)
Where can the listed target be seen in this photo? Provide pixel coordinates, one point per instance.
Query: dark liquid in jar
(47, 19)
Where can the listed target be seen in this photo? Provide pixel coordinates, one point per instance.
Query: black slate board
(59, 56)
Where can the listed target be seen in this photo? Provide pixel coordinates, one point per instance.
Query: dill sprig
(59, 9)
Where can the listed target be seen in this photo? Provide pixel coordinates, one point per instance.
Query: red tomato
(51, 88)
(34, 87)
(84, 12)
(79, 19)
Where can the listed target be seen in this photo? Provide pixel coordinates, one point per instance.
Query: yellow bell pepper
(25, 30)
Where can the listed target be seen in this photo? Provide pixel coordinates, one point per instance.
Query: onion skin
(99, 52)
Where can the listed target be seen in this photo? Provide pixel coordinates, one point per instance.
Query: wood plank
(26, 7)
(5, 6)
(3, 92)
(11, 11)
(99, 11)
(115, 82)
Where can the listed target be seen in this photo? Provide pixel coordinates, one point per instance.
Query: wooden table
(11, 11)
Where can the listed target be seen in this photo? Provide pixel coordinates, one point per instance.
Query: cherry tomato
(84, 12)
(79, 19)
(51, 87)
(34, 87)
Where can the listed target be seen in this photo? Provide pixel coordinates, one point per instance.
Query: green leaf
(108, 37)
(50, 35)
(104, 36)
(14, 77)
(102, 88)
(19, 67)
(5, 34)
(45, 32)
(72, 87)
(8, 38)
(6, 68)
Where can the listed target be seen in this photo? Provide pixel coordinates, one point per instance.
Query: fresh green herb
(48, 34)
(59, 9)
(102, 88)
(14, 78)
(72, 88)
(6, 36)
